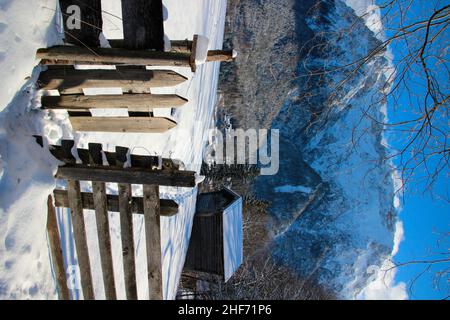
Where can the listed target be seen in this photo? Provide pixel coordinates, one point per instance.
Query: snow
(292, 189)
(370, 12)
(384, 286)
(201, 53)
(28, 170)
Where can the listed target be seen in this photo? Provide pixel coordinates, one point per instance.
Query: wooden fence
(130, 55)
(123, 169)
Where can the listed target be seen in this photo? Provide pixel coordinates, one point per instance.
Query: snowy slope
(24, 192)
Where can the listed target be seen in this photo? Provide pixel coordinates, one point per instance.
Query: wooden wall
(205, 251)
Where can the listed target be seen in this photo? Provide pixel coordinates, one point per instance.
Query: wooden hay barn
(215, 247)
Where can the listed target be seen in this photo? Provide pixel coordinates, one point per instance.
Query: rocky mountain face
(332, 199)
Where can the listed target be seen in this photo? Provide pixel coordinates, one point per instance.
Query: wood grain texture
(220, 55)
(79, 235)
(133, 102)
(126, 229)
(54, 241)
(169, 208)
(122, 124)
(115, 56)
(153, 241)
(127, 175)
(102, 221)
(69, 81)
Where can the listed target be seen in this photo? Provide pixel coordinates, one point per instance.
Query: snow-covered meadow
(27, 170)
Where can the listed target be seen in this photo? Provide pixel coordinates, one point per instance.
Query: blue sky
(426, 218)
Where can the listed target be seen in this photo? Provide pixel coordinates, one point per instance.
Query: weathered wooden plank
(90, 22)
(133, 102)
(79, 235)
(80, 55)
(56, 251)
(169, 208)
(143, 25)
(102, 221)
(126, 229)
(69, 81)
(127, 175)
(153, 241)
(122, 124)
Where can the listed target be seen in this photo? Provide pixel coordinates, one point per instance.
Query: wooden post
(143, 25)
(56, 251)
(220, 55)
(101, 215)
(127, 175)
(81, 55)
(69, 81)
(79, 235)
(153, 241)
(126, 229)
(122, 124)
(133, 102)
(168, 208)
(90, 25)
(193, 54)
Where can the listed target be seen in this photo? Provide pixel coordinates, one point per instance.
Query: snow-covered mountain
(333, 199)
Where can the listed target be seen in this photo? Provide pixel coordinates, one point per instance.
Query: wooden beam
(102, 221)
(79, 55)
(127, 175)
(193, 54)
(143, 25)
(69, 80)
(153, 241)
(54, 241)
(79, 235)
(133, 102)
(90, 22)
(122, 124)
(126, 229)
(169, 208)
(220, 55)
